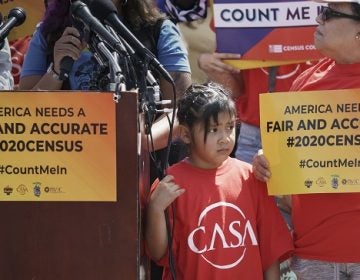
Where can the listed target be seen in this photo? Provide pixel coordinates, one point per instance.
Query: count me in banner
(48, 129)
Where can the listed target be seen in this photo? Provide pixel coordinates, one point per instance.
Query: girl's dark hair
(203, 102)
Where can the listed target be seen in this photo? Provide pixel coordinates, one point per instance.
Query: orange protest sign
(58, 146)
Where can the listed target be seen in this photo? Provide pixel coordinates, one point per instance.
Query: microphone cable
(161, 166)
(169, 227)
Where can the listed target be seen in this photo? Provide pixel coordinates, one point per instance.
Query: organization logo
(37, 189)
(308, 183)
(321, 182)
(53, 190)
(351, 182)
(8, 190)
(334, 181)
(22, 189)
(233, 238)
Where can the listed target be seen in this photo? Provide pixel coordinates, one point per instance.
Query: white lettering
(235, 233)
(218, 232)
(191, 241)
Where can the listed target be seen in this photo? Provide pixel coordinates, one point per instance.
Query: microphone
(81, 12)
(16, 17)
(66, 65)
(106, 12)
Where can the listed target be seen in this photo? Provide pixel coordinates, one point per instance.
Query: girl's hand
(165, 193)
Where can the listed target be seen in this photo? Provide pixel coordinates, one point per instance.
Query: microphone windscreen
(19, 14)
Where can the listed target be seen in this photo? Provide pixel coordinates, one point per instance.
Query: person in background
(183, 10)
(224, 225)
(192, 18)
(56, 38)
(326, 227)
(6, 79)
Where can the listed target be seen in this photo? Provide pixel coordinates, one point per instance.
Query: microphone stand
(126, 53)
(117, 79)
(140, 77)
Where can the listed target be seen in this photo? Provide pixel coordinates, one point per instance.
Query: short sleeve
(172, 53)
(35, 62)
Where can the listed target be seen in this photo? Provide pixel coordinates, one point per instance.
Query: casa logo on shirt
(232, 239)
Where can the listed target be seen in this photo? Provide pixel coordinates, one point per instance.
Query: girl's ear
(184, 134)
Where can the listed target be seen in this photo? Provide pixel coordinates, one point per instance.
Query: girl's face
(219, 143)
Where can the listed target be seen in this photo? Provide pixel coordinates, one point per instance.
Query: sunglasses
(328, 13)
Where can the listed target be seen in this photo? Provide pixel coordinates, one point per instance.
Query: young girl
(223, 223)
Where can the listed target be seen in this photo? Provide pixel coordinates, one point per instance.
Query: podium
(82, 240)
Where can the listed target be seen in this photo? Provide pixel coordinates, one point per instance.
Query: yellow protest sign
(312, 141)
(58, 146)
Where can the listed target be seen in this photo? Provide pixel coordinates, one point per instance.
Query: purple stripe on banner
(250, 38)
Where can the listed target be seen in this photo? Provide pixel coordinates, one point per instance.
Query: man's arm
(218, 71)
(160, 129)
(182, 81)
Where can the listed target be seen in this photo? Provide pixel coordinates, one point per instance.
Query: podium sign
(58, 146)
